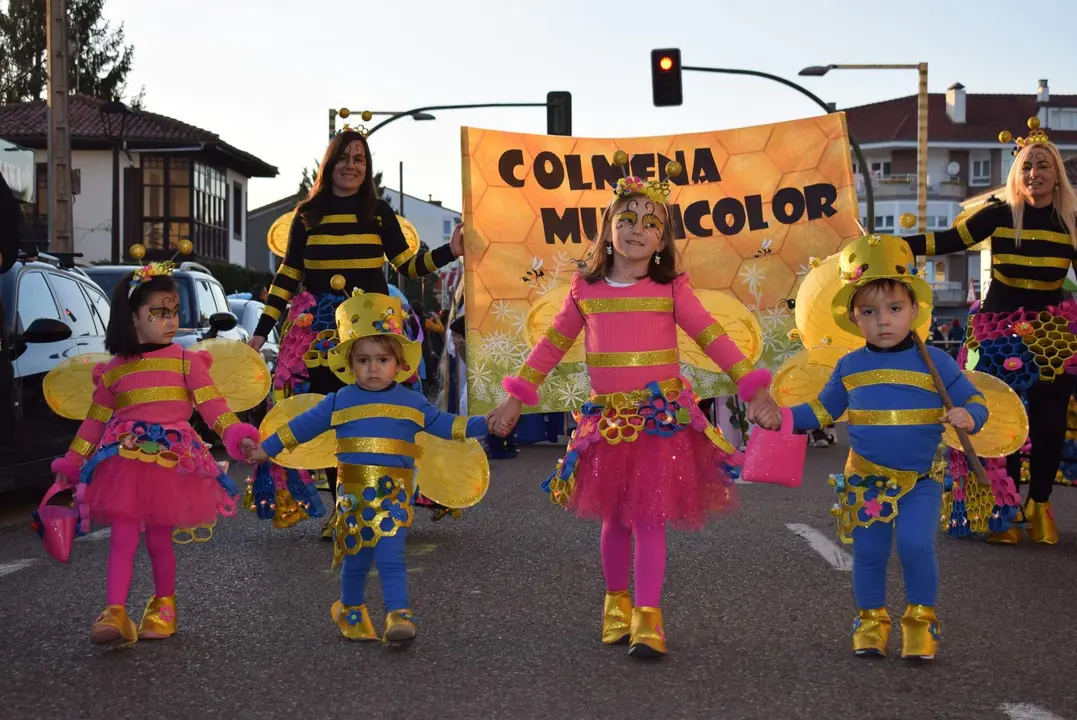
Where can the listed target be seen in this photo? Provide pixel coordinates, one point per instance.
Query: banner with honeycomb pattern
(751, 208)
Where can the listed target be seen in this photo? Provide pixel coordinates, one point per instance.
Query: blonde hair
(1065, 197)
(599, 263)
(384, 342)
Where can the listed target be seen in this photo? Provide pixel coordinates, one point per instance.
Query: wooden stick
(971, 457)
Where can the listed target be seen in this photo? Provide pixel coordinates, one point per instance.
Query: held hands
(959, 418)
(254, 453)
(764, 411)
(502, 419)
(456, 241)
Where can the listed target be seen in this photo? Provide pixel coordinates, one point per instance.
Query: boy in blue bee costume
(895, 427)
(376, 420)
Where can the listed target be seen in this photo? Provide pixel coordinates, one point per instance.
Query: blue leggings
(917, 525)
(388, 555)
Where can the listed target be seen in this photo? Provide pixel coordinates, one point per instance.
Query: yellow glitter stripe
(632, 359)
(710, 334)
(888, 377)
(560, 340)
(147, 365)
(287, 437)
(629, 304)
(402, 258)
(459, 428)
(224, 421)
(531, 375)
(369, 475)
(859, 465)
(428, 262)
(283, 294)
(367, 264)
(99, 413)
(925, 416)
(271, 312)
(338, 219)
(963, 230)
(1027, 284)
(148, 395)
(739, 370)
(632, 398)
(976, 400)
(411, 268)
(929, 244)
(821, 413)
(1025, 261)
(289, 271)
(1045, 235)
(380, 446)
(85, 448)
(379, 410)
(364, 239)
(205, 394)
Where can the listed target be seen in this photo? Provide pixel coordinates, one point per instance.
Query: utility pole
(61, 237)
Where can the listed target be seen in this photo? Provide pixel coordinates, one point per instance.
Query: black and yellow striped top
(342, 245)
(1029, 274)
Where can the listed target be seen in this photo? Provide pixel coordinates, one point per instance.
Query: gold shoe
(1010, 536)
(114, 628)
(648, 634)
(1041, 522)
(327, 529)
(871, 633)
(159, 619)
(919, 632)
(399, 627)
(616, 616)
(353, 621)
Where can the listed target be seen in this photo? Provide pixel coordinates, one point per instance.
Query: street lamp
(921, 125)
(345, 113)
(114, 116)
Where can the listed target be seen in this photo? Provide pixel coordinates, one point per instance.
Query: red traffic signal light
(666, 77)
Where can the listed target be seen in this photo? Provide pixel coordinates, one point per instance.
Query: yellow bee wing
(277, 237)
(410, 233)
(540, 317)
(321, 452)
(1006, 428)
(238, 371)
(452, 473)
(802, 377)
(68, 387)
(739, 322)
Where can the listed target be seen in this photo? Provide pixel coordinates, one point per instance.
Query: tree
(98, 65)
(310, 176)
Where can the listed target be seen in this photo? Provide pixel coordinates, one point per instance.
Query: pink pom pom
(67, 468)
(234, 437)
(752, 383)
(522, 390)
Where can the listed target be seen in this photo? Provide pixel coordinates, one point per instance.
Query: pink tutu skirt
(157, 475)
(654, 462)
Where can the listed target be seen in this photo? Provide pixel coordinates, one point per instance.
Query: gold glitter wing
(68, 387)
(452, 473)
(410, 233)
(277, 237)
(238, 371)
(802, 377)
(1006, 428)
(312, 455)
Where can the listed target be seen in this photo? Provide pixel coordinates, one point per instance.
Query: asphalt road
(509, 601)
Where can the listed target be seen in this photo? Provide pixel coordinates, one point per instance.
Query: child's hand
(764, 411)
(960, 419)
(501, 420)
(255, 454)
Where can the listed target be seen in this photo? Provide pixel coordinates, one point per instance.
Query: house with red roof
(177, 182)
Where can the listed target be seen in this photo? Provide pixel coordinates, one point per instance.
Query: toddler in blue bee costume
(376, 420)
(895, 427)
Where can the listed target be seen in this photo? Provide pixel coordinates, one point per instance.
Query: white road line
(831, 552)
(96, 535)
(1025, 711)
(8, 568)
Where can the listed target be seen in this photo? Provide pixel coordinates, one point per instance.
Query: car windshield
(107, 280)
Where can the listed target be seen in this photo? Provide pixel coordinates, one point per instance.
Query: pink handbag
(775, 456)
(57, 526)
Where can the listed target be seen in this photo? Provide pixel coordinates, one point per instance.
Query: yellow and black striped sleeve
(287, 280)
(966, 232)
(407, 261)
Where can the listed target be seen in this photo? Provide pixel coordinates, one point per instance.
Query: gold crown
(877, 257)
(658, 191)
(367, 315)
(345, 113)
(1036, 136)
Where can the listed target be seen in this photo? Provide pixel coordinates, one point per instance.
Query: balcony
(949, 292)
(891, 187)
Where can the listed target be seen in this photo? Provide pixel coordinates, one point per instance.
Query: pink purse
(57, 526)
(775, 456)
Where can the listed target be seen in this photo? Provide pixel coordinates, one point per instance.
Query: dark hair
(875, 287)
(120, 336)
(385, 342)
(312, 208)
(600, 262)
(257, 290)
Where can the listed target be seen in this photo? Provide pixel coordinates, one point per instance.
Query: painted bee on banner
(536, 273)
(764, 249)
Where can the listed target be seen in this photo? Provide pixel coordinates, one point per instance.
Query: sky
(263, 74)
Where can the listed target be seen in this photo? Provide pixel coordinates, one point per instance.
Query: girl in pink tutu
(643, 455)
(142, 468)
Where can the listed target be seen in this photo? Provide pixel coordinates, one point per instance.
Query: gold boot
(159, 619)
(114, 628)
(919, 632)
(399, 627)
(648, 634)
(616, 616)
(327, 529)
(871, 633)
(1010, 536)
(353, 621)
(1041, 522)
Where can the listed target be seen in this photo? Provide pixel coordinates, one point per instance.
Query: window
(981, 172)
(940, 271)
(210, 212)
(166, 202)
(76, 311)
(1062, 119)
(100, 305)
(219, 300)
(206, 302)
(884, 222)
(237, 211)
(35, 300)
(881, 169)
(446, 227)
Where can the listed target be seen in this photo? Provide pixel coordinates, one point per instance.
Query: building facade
(176, 182)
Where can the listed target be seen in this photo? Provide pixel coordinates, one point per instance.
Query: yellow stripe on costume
(378, 410)
(822, 415)
(925, 416)
(99, 413)
(205, 394)
(289, 271)
(353, 239)
(1026, 261)
(888, 377)
(287, 437)
(380, 446)
(1025, 284)
(632, 359)
(1045, 235)
(146, 365)
(224, 421)
(739, 370)
(85, 448)
(148, 395)
(617, 305)
(559, 339)
(367, 264)
(976, 400)
(710, 334)
(402, 258)
(283, 294)
(340, 219)
(531, 375)
(929, 244)
(459, 428)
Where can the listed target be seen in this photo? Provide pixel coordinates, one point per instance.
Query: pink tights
(123, 544)
(650, 560)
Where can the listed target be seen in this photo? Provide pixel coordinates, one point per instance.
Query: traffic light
(559, 113)
(666, 77)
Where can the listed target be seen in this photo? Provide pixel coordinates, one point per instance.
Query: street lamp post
(921, 126)
(423, 113)
(344, 113)
(869, 193)
(114, 115)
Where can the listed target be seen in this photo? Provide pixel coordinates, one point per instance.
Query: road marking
(1025, 711)
(96, 535)
(838, 558)
(8, 568)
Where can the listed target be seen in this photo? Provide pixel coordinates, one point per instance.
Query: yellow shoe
(327, 529)
(648, 634)
(159, 619)
(871, 633)
(353, 621)
(1041, 522)
(114, 628)
(616, 616)
(919, 632)
(1011, 536)
(399, 627)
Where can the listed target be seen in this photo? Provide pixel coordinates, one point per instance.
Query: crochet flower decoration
(1023, 329)
(304, 320)
(1012, 363)
(388, 323)
(854, 274)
